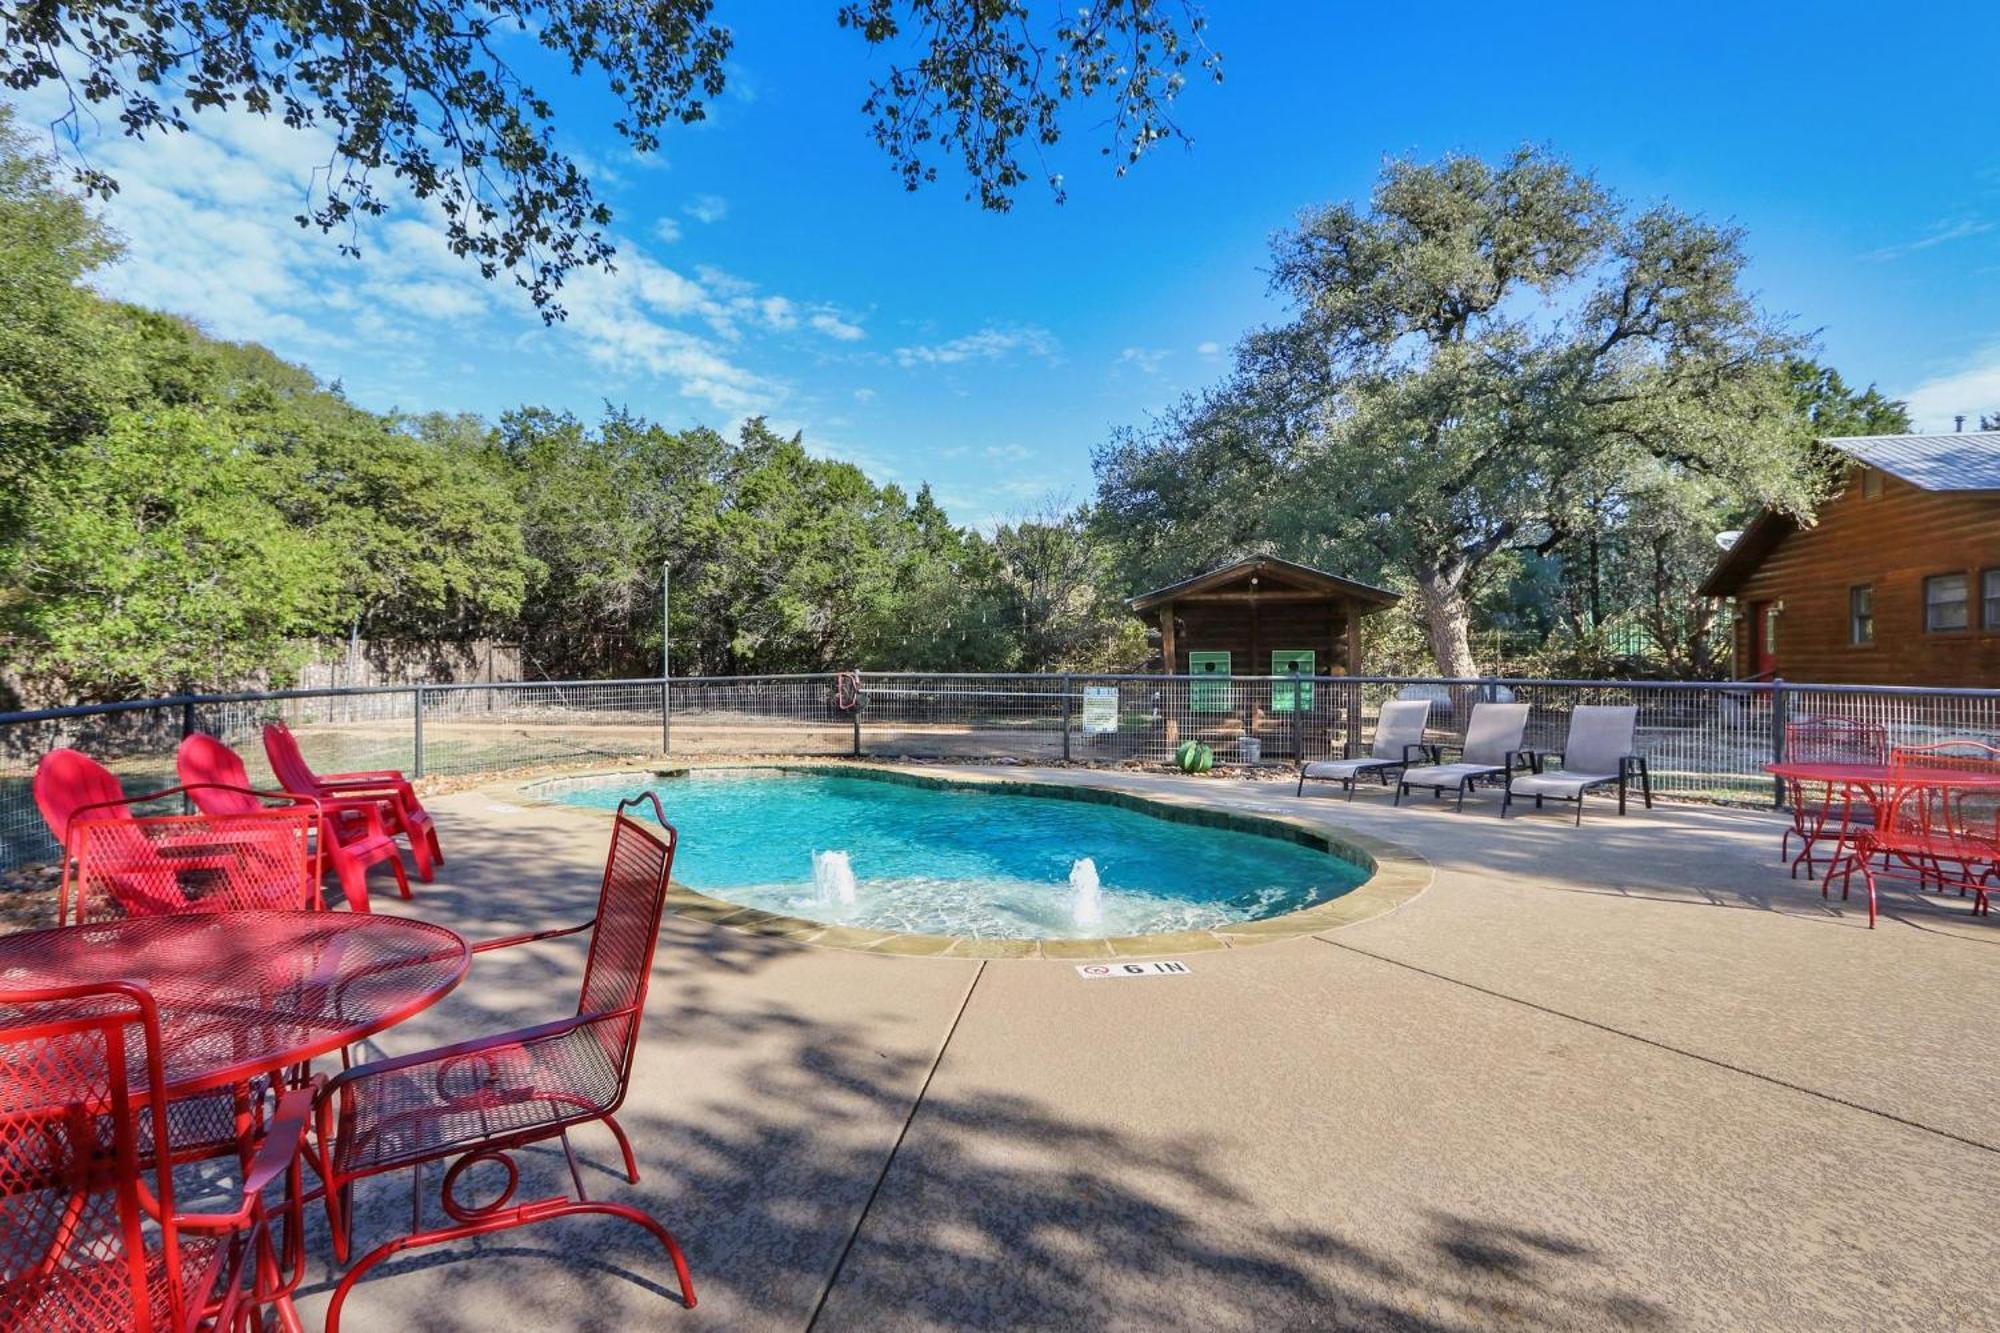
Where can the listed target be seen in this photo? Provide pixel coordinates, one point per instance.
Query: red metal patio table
(1883, 788)
(247, 993)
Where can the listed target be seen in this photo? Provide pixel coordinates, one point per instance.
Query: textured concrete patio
(1628, 1076)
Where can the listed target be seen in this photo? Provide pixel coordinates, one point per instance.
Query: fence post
(1065, 716)
(854, 712)
(418, 730)
(666, 718)
(1781, 717)
(187, 718)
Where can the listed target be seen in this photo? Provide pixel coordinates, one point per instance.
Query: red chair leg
(353, 880)
(624, 1146)
(506, 1220)
(420, 852)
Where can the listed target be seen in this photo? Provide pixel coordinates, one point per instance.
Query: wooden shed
(1259, 617)
(1895, 582)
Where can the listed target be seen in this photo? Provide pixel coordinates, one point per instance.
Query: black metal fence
(1704, 740)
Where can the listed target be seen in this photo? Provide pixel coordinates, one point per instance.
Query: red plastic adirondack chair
(352, 836)
(481, 1100)
(402, 813)
(90, 1237)
(116, 863)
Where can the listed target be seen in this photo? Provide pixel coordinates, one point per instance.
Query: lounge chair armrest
(387, 789)
(1521, 759)
(376, 777)
(1416, 750)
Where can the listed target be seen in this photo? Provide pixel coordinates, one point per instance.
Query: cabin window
(1871, 483)
(1944, 602)
(1861, 614)
(1989, 599)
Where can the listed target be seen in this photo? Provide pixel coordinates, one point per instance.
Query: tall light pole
(667, 659)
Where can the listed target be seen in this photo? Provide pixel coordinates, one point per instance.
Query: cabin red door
(1764, 639)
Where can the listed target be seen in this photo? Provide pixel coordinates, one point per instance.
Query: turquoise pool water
(959, 861)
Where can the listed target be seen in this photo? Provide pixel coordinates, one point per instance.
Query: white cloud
(778, 312)
(864, 395)
(207, 219)
(988, 344)
(833, 326)
(1939, 233)
(1209, 348)
(707, 208)
(1146, 360)
(667, 230)
(1971, 389)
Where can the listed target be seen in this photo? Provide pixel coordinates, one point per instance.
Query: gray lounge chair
(1492, 749)
(1597, 754)
(1399, 742)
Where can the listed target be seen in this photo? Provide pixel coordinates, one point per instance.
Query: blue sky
(772, 263)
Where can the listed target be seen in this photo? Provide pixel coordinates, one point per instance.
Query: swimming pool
(934, 858)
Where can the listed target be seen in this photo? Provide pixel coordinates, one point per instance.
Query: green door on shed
(1210, 692)
(1287, 695)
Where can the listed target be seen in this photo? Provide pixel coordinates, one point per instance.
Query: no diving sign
(1157, 968)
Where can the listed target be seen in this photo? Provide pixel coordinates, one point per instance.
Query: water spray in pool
(833, 876)
(1088, 907)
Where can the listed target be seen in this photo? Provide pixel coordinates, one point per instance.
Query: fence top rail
(1050, 678)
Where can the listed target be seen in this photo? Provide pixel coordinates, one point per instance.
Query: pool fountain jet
(833, 876)
(1087, 909)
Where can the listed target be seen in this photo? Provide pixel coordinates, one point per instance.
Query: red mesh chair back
(77, 1249)
(1964, 754)
(636, 875)
(69, 781)
(1836, 740)
(192, 863)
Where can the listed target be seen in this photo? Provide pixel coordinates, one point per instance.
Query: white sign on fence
(1100, 710)
(1165, 967)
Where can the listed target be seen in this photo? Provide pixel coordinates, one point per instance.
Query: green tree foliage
(1490, 356)
(57, 385)
(1057, 578)
(423, 96)
(159, 561)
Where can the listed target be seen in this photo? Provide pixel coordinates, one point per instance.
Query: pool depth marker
(1166, 967)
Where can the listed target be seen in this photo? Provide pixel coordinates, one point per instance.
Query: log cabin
(1260, 617)
(1896, 581)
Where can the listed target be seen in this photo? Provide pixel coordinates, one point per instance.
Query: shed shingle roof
(1967, 461)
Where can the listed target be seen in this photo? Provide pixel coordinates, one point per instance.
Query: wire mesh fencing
(1703, 740)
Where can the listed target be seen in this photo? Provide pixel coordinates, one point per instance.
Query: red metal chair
(352, 836)
(480, 1100)
(116, 863)
(1826, 816)
(401, 811)
(90, 1238)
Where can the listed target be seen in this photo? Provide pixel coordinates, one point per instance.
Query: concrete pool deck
(1627, 1076)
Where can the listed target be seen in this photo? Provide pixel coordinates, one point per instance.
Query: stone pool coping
(1397, 874)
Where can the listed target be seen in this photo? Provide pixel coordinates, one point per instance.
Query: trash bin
(1250, 750)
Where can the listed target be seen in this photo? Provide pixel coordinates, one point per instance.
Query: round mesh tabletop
(243, 993)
